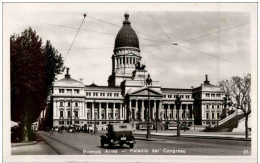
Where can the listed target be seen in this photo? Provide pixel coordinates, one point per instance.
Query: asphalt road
(83, 143)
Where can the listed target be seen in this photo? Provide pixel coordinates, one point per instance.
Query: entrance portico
(137, 105)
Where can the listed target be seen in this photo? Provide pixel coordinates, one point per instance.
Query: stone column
(106, 110)
(99, 110)
(160, 110)
(113, 117)
(120, 111)
(130, 107)
(142, 113)
(92, 111)
(154, 109)
(136, 110)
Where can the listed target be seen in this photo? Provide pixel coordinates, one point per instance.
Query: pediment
(145, 92)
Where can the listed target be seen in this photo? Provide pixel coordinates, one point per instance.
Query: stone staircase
(230, 124)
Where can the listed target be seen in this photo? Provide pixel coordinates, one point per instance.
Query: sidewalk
(198, 134)
(32, 148)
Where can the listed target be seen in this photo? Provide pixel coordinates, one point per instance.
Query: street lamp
(178, 105)
(148, 83)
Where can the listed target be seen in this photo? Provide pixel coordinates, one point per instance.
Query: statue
(139, 67)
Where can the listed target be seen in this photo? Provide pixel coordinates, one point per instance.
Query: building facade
(128, 95)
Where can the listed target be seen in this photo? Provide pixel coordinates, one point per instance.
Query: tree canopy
(33, 70)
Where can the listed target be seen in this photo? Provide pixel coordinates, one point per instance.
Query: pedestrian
(51, 133)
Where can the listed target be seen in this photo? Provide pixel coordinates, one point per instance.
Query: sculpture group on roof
(139, 67)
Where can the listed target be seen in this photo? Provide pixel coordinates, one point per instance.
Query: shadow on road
(113, 147)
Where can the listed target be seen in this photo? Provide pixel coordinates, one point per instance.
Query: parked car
(70, 129)
(118, 133)
(170, 125)
(184, 127)
(77, 128)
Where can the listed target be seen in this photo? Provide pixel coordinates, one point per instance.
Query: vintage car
(118, 133)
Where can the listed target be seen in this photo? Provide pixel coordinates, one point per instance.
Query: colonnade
(100, 110)
(127, 61)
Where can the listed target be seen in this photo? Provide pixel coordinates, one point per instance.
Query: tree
(237, 91)
(31, 76)
(54, 65)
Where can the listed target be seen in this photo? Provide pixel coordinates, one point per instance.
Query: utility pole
(148, 83)
(178, 105)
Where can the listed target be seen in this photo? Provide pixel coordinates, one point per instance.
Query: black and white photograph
(129, 82)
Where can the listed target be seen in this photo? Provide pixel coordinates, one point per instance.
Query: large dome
(126, 37)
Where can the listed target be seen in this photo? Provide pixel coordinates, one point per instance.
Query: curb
(194, 136)
(23, 144)
(150, 139)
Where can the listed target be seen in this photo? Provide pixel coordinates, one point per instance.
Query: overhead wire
(159, 26)
(120, 26)
(213, 33)
(105, 47)
(210, 55)
(84, 29)
(75, 37)
(156, 49)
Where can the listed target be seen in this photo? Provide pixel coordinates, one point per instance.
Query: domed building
(126, 54)
(130, 93)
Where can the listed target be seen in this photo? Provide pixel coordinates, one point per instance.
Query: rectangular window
(187, 96)
(76, 91)
(218, 115)
(61, 122)
(212, 106)
(68, 103)
(207, 115)
(61, 113)
(207, 94)
(127, 60)
(133, 60)
(76, 114)
(169, 96)
(212, 95)
(213, 115)
(218, 95)
(130, 60)
(69, 90)
(61, 103)
(76, 122)
(182, 96)
(69, 113)
(207, 106)
(61, 90)
(164, 96)
(76, 104)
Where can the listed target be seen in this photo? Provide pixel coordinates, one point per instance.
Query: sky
(221, 55)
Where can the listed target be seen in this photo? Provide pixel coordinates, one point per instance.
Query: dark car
(118, 133)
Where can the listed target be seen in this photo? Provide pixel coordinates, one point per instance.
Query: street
(84, 143)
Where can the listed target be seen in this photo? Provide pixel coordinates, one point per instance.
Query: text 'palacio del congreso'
(126, 97)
